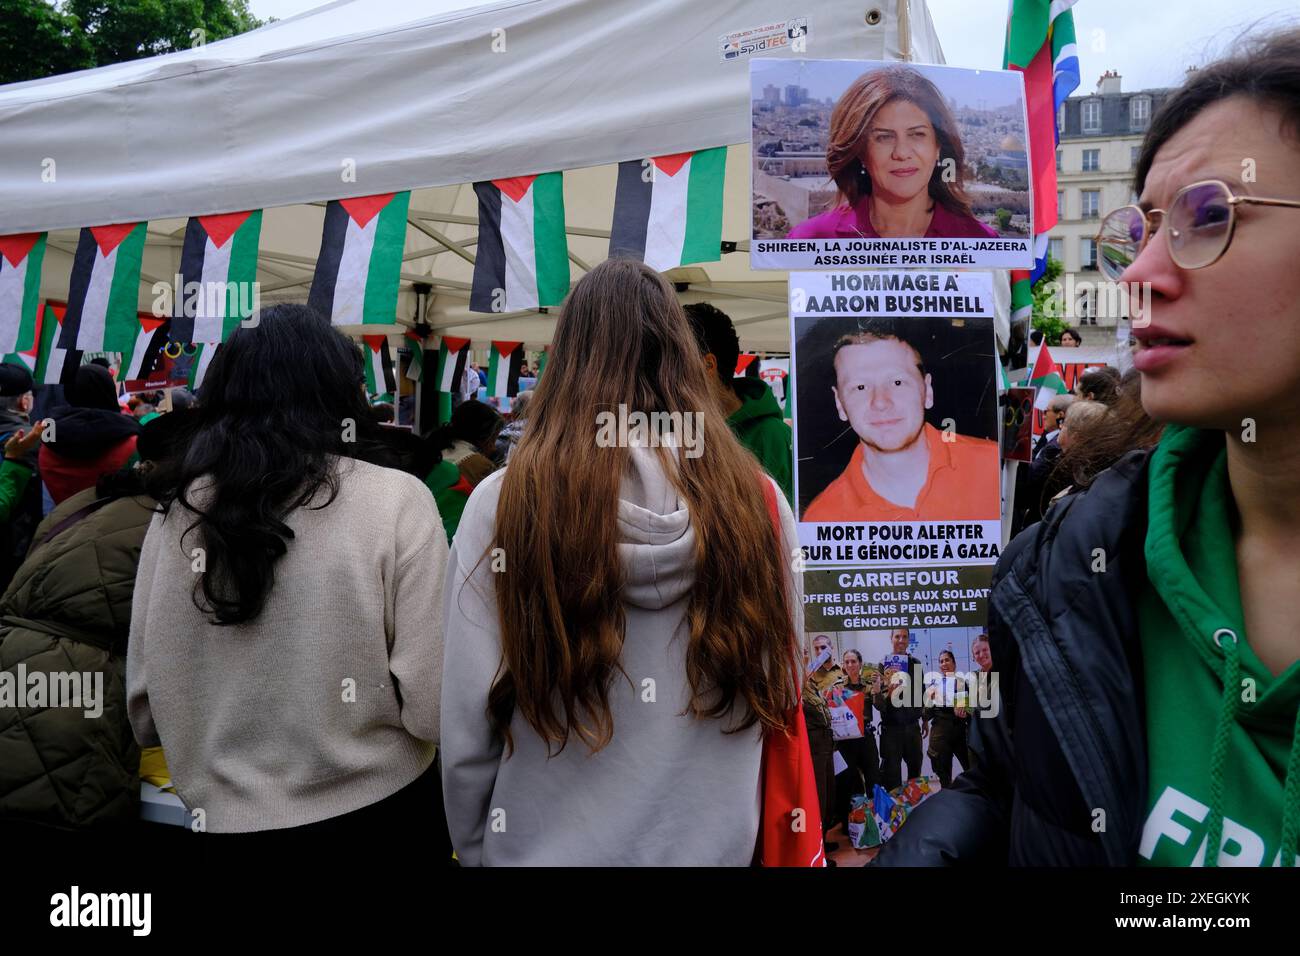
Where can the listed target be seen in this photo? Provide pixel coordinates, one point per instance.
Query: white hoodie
(669, 789)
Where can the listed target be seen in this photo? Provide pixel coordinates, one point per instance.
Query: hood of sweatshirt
(756, 401)
(87, 433)
(656, 539)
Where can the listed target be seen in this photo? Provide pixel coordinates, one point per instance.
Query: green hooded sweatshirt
(1222, 732)
(759, 425)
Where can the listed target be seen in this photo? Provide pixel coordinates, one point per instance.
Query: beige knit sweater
(328, 701)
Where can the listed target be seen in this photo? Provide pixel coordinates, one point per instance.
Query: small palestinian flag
(668, 210)
(523, 256)
(20, 289)
(149, 343)
(360, 261)
(204, 353)
(104, 290)
(415, 370)
(1046, 377)
(743, 362)
(503, 369)
(380, 381)
(53, 363)
(453, 355)
(219, 265)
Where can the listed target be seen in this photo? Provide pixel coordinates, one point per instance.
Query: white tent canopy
(426, 96)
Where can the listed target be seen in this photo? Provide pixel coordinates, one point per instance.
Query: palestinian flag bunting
(1040, 43)
(453, 355)
(149, 342)
(219, 265)
(523, 255)
(668, 209)
(103, 292)
(743, 362)
(415, 344)
(20, 289)
(51, 360)
(380, 380)
(360, 261)
(1046, 377)
(503, 369)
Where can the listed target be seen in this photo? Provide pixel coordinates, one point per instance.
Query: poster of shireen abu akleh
(875, 164)
(897, 464)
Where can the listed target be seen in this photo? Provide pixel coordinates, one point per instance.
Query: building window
(1091, 160)
(1092, 116)
(1058, 160)
(1091, 203)
(1083, 308)
(1056, 249)
(1133, 153)
(1060, 119)
(1139, 112)
(1060, 204)
(1087, 253)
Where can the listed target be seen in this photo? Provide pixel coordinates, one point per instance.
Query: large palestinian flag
(360, 260)
(380, 381)
(104, 290)
(52, 363)
(523, 257)
(668, 210)
(20, 289)
(149, 343)
(453, 355)
(503, 369)
(219, 266)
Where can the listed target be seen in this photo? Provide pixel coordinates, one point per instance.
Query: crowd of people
(325, 625)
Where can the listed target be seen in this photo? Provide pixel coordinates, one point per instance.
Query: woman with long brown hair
(896, 155)
(620, 611)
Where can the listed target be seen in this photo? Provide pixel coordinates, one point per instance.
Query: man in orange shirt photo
(903, 469)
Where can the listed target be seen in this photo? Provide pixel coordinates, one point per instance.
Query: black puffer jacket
(1070, 739)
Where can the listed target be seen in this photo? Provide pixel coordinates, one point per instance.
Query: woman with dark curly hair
(286, 640)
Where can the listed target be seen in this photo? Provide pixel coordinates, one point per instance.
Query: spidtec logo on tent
(668, 209)
(360, 261)
(523, 254)
(104, 289)
(20, 289)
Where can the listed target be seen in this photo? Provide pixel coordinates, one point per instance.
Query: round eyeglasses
(1198, 227)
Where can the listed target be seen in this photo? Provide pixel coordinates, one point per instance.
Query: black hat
(15, 380)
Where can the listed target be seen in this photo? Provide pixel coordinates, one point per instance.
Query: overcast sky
(1150, 42)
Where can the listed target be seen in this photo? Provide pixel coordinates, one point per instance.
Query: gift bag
(863, 831)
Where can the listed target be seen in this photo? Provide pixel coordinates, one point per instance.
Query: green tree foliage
(41, 38)
(1047, 304)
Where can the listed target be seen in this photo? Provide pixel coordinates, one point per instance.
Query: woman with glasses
(1144, 630)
